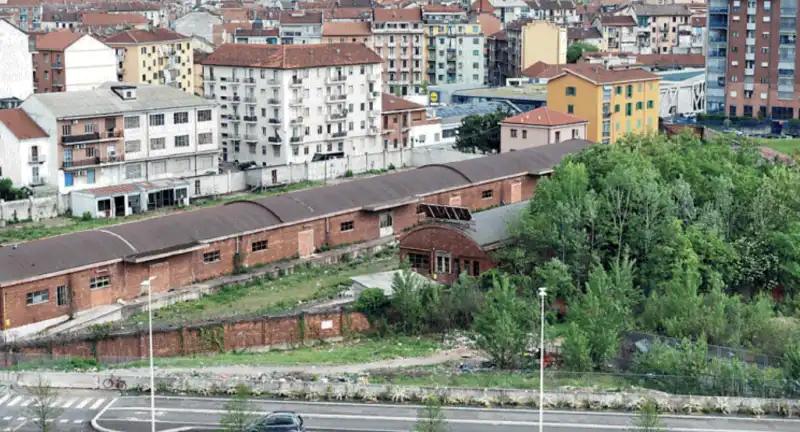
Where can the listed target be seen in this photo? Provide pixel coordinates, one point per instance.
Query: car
(278, 421)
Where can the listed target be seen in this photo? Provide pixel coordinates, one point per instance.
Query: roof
(344, 28)
(256, 32)
(618, 20)
(556, 4)
(600, 75)
(482, 6)
(490, 227)
(501, 35)
(543, 116)
(518, 24)
(145, 36)
(437, 8)
(20, 124)
(397, 15)
(391, 102)
(671, 60)
(292, 56)
(131, 6)
(103, 101)
(192, 228)
(544, 70)
(351, 13)
(459, 111)
(489, 23)
(302, 17)
(575, 33)
(661, 10)
(57, 40)
(61, 15)
(103, 18)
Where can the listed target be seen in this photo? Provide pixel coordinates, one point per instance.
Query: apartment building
(406, 124)
(283, 104)
(157, 14)
(400, 41)
(619, 32)
(257, 36)
(662, 28)
(541, 126)
(24, 155)
(561, 12)
(26, 14)
(16, 75)
(155, 56)
(348, 32)
(455, 44)
(752, 59)
(67, 61)
(128, 148)
(59, 19)
(300, 27)
(497, 58)
(531, 41)
(511, 10)
(614, 102)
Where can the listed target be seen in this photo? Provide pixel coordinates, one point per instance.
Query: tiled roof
(145, 36)
(501, 35)
(544, 70)
(489, 23)
(436, 8)
(109, 19)
(292, 56)
(344, 28)
(238, 14)
(661, 10)
(600, 54)
(482, 6)
(312, 5)
(556, 4)
(667, 60)
(355, 3)
(600, 75)
(61, 16)
(351, 13)
(518, 24)
(302, 17)
(131, 6)
(391, 102)
(618, 20)
(20, 124)
(543, 116)
(397, 15)
(575, 33)
(57, 40)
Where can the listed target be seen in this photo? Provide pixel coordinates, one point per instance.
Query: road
(78, 407)
(132, 414)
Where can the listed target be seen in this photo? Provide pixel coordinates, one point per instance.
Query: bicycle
(115, 382)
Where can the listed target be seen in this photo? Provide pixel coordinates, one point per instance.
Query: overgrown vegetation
(239, 411)
(8, 192)
(480, 133)
(576, 50)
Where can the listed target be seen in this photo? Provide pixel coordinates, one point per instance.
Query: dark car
(278, 421)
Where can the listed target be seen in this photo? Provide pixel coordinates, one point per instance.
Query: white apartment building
(24, 153)
(16, 73)
(300, 27)
(282, 104)
(130, 148)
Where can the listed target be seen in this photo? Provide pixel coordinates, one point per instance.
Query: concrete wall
(89, 63)
(31, 208)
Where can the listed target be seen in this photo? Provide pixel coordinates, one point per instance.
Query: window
(88, 128)
(570, 109)
(442, 262)
(133, 146)
(638, 106)
(259, 245)
(99, 282)
(558, 136)
(513, 133)
(62, 295)
(205, 138)
(419, 261)
(524, 134)
(132, 122)
(37, 297)
(204, 115)
(211, 257)
(346, 226)
(487, 194)
(571, 91)
(180, 117)
(158, 143)
(616, 108)
(133, 171)
(156, 119)
(66, 130)
(628, 108)
(629, 90)
(476, 268)
(182, 141)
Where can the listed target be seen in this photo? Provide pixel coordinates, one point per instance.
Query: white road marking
(7, 418)
(15, 401)
(63, 421)
(21, 419)
(83, 403)
(4, 398)
(78, 421)
(97, 404)
(70, 402)
(26, 402)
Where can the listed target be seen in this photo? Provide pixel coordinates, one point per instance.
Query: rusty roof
(618, 20)
(344, 28)
(667, 60)
(147, 237)
(351, 13)
(57, 40)
(397, 15)
(108, 19)
(482, 6)
(154, 35)
(292, 56)
(543, 116)
(600, 75)
(20, 124)
(300, 17)
(390, 103)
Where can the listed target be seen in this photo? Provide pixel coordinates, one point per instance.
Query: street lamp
(146, 285)
(542, 295)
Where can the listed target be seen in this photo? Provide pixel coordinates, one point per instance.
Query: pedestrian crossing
(65, 403)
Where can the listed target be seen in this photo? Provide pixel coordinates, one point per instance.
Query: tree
(576, 50)
(373, 303)
(43, 410)
(430, 417)
(575, 350)
(239, 411)
(504, 324)
(647, 418)
(480, 133)
(8, 192)
(407, 302)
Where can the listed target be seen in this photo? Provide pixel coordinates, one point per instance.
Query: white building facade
(89, 64)
(25, 154)
(16, 73)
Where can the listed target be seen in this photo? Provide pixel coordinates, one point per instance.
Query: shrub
(373, 303)
(348, 173)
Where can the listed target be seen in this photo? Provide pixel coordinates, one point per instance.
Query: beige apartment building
(531, 41)
(539, 127)
(400, 40)
(156, 56)
(348, 32)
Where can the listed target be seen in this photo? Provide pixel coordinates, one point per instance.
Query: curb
(97, 426)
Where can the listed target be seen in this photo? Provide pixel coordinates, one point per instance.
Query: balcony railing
(296, 139)
(94, 136)
(337, 78)
(209, 78)
(250, 137)
(337, 98)
(296, 120)
(252, 118)
(249, 80)
(273, 101)
(36, 159)
(274, 139)
(97, 160)
(339, 134)
(57, 65)
(274, 121)
(249, 99)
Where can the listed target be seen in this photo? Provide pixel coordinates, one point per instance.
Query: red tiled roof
(607, 54)
(501, 35)
(396, 15)
(489, 23)
(391, 102)
(20, 124)
(312, 5)
(238, 14)
(57, 40)
(600, 75)
(482, 6)
(436, 8)
(351, 13)
(344, 28)
(133, 6)
(685, 60)
(292, 56)
(541, 69)
(618, 20)
(145, 36)
(543, 116)
(302, 17)
(108, 19)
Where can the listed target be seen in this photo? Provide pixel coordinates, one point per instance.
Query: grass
(788, 146)
(29, 232)
(502, 379)
(264, 296)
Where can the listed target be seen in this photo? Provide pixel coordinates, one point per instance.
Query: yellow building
(156, 56)
(614, 102)
(532, 41)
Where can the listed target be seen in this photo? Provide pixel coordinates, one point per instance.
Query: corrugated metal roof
(491, 226)
(150, 236)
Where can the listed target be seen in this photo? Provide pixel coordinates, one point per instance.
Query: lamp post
(146, 285)
(542, 295)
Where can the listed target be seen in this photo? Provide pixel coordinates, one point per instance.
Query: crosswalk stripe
(63, 421)
(83, 403)
(97, 404)
(4, 398)
(21, 419)
(26, 402)
(78, 421)
(7, 418)
(69, 403)
(15, 401)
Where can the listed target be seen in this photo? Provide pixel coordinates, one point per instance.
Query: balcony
(274, 121)
(789, 11)
(274, 139)
(273, 82)
(719, 24)
(57, 65)
(751, 11)
(336, 98)
(748, 86)
(273, 101)
(236, 99)
(296, 102)
(296, 82)
(36, 159)
(251, 119)
(92, 161)
(749, 71)
(339, 134)
(90, 137)
(373, 113)
(373, 95)
(210, 96)
(296, 120)
(336, 78)
(295, 139)
(340, 116)
(751, 26)
(250, 137)
(249, 81)
(250, 100)
(209, 78)
(749, 41)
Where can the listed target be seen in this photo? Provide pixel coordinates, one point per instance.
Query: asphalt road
(132, 414)
(78, 407)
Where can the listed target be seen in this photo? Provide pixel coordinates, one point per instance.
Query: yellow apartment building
(532, 41)
(155, 56)
(614, 102)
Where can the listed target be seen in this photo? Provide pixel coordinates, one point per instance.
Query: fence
(32, 209)
(714, 351)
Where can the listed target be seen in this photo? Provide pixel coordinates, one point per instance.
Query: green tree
(44, 409)
(576, 50)
(8, 192)
(480, 133)
(647, 418)
(503, 326)
(430, 417)
(407, 302)
(575, 350)
(239, 411)
(373, 303)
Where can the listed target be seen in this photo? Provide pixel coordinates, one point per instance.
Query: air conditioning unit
(79, 146)
(74, 121)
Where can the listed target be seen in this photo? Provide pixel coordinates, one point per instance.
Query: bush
(391, 167)
(86, 216)
(348, 173)
(373, 303)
